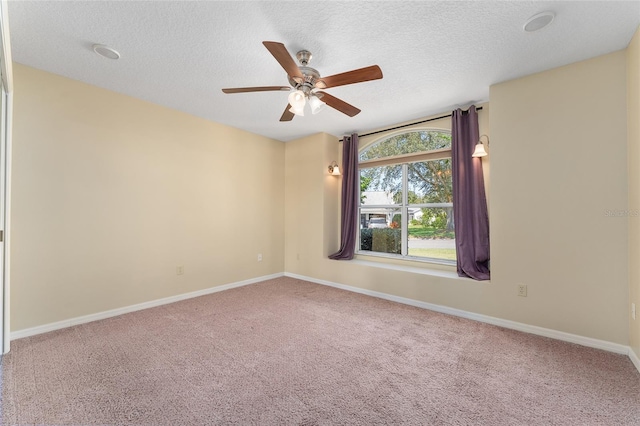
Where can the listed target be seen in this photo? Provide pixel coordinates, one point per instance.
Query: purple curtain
(469, 200)
(350, 198)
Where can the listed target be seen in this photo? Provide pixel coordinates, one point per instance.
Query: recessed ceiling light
(539, 21)
(106, 51)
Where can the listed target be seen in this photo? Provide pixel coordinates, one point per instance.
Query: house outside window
(406, 199)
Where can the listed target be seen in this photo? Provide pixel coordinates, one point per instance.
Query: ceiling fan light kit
(298, 99)
(306, 82)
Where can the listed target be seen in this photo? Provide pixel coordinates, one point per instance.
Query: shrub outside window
(406, 199)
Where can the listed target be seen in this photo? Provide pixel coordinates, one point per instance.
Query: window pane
(407, 143)
(426, 231)
(380, 186)
(430, 182)
(380, 230)
(431, 233)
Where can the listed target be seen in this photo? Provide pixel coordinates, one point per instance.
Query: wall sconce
(480, 151)
(334, 169)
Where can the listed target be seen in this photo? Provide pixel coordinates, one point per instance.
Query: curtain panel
(350, 199)
(470, 214)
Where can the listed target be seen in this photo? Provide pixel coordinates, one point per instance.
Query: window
(406, 199)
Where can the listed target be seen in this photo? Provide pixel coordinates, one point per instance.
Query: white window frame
(403, 160)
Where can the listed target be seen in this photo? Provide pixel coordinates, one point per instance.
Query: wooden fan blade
(339, 104)
(256, 89)
(350, 77)
(282, 56)
(287, 115)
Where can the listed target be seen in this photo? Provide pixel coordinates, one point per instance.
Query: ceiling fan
(306, 83)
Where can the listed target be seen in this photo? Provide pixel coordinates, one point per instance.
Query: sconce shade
(334, 169)
(479, 151)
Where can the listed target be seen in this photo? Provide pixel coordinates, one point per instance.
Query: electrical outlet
(179, 270)
(522, 290)
(633, 310)
(259, 257)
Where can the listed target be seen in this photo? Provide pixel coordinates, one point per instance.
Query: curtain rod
(408, 125)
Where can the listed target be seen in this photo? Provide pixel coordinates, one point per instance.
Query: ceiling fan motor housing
(311, 76)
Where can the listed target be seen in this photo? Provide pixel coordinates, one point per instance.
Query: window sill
(433, 269)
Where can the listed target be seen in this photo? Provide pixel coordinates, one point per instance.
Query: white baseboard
(540, 331)
(132, 308)
(634, 358)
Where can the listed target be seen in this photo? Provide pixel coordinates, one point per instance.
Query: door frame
(5, 172)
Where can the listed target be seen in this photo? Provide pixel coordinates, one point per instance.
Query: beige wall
(558, 164)
(558, 160)
(633, 137)
(111, 193)
(311, 203)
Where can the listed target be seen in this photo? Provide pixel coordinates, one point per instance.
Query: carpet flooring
(289, 352)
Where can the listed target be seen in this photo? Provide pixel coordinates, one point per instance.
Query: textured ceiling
(435, 56)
